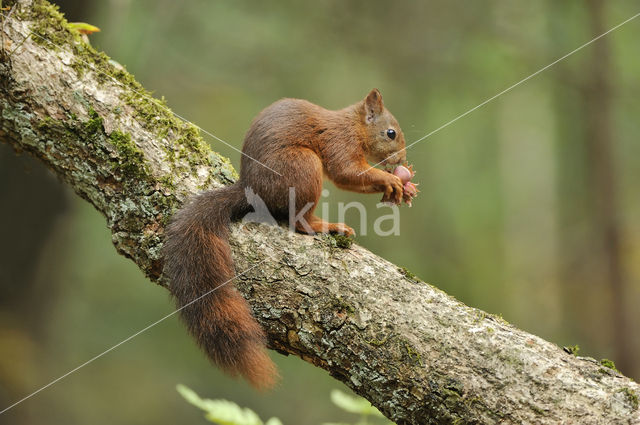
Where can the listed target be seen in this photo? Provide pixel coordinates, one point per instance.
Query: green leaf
(84, 28)
(273, 421)
(191, 396)
(223, 412)
(352, 404)
(226, 412)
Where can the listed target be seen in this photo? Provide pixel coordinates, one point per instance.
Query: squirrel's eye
(391, 134)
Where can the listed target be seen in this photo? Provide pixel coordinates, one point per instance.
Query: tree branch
(416, 353)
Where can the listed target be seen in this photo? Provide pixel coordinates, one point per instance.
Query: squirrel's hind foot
(317, 225)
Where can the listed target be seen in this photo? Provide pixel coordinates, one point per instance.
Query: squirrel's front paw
(392, 190)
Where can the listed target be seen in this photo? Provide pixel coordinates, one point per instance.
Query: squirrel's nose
(400, 157)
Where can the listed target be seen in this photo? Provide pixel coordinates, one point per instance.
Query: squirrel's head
(384, 141)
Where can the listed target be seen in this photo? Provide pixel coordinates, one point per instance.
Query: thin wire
(148, 97)
(127, 339)
(506, 90)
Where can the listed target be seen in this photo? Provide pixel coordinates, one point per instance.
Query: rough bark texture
(416, 353)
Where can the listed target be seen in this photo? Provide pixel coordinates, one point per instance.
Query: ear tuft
(373, 105)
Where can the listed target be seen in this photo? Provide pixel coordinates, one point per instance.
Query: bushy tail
(198, 260)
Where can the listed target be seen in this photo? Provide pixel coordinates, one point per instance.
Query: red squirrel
(304, 143)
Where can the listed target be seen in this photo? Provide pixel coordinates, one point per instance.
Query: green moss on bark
(572, 349)
(187, 145)
(632, 397)
(94, 124)
(131, 159)
(408, 274)
(609, 363)
(339, 241)
(49, 26)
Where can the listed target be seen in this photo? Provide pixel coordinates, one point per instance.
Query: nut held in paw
(410, 190)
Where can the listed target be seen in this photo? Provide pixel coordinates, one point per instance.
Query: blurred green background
(529, 205)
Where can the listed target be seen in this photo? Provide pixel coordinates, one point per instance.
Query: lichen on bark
(416, 353)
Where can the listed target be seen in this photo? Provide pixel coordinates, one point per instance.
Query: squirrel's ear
(373, 105)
